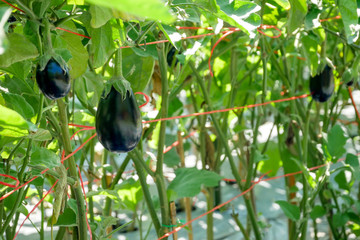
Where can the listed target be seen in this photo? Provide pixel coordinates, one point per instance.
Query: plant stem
(90, 179)
(147, 196)
(159, 175)
(227, 152)
(242, 229)
(81, 215)
(118, 63)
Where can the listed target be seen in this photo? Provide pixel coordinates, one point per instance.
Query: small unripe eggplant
(118, 121)
(53, 81)
(322, 85)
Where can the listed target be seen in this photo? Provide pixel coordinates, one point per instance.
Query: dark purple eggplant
(171, 56)
(53, 81)
(118, 121)
(322, 85)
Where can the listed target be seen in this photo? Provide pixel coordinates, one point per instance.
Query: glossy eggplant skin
(53, 81)
(322, 85)
(170, 57)
(118, 122)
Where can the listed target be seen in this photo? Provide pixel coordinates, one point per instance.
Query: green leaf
(352, 160)
(310, 45)
(188, 181)
(12, 124)
(20, 49)
(19, 104)
(340, 219)
(297, 14)
(317, 212)
(341, 180)
(44, 157)
(88, 88)
(40, 135)
(348, 12)
(130, 193)
(336, 141)
(102, 44)
(283, 3)
(5, 13)
(137, 70)
(19, 69)
(99, 16)
(290, 210)
(66, 219)
(240, 14)
(79, 61)
(151, 9)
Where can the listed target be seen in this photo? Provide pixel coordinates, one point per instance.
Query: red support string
(13, 6)
(328, 19)
(264, 27)
(213, 48)
(87, 209)
(177, 142)
(229, 109)
(69, 31)
(8, 184)
(32, 210)
(212, 210)
(147, 98)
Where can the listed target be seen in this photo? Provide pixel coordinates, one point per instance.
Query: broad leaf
(78, 62)
(352, 160)
(44, 157)
(99, 15)
(336, 141)
(151, 9)
(188, 181)
(137, 70)
(88, 88)
(349, 16)
(240, 14)
(102, 44)
(290, 210)
(130, 193)
(297, 14)
(317, 212)
(66, 219)
(19, 104)
(20, 49)
(12, 124)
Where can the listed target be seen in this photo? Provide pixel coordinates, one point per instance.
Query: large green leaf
(12, 124)
(102, 44)
(44, 157)
(19, 69)
(188, 181)
(88, 88)
(78, 62)
(349, 16)
(137, 70)
(19, 104)
(291, 211)
(151, 9)
(336, 141)
(99, 15)
(20, 49)
(297, 14)
(130, 193)
(241, 14)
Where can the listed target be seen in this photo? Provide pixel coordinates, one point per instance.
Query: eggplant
(170, 57)
(322, 85)
(53, 81)
(118, 121)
